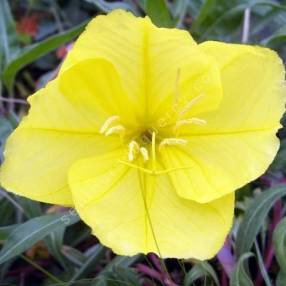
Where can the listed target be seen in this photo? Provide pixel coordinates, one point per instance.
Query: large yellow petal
(254, 90)
(154, 64)
(219, 164)
(46, 143)
(238, 142)
(94, 88)
(133, 212)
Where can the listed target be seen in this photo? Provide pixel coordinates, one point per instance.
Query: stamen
(190, 104)
(154, 172)
(133, 148)
(144, 153)
(144, 170)
(118, 129)
(172, 141)
(108, 122)
(193, 120)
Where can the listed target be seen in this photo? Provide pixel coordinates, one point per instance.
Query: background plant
(49, 245)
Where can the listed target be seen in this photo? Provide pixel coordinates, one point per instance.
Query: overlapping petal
(154, 64)
(132, 212)
(60, 129)
(93, 86)
(238, 142)
(151, 78)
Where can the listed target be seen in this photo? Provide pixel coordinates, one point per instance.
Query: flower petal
(94, 88)
(254, 90)
(217, 165)
(131, 211)
(40, 151)
(153, 63)
(238, 142)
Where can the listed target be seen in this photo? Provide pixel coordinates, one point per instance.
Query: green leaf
(159, 13)
(269, 3)
(279, 243)
(8, 36)
(93, 260)
(179, 10)
(6, 211)
(281, 279)
(200, 270)
(75, 256)
(109, 6)
(204, 11)
(277, 38)
(31, 208)
(119, 276)
(32, 231)
(239, 277)
(9, 44)
(6, 230)
(54, 242)
(122, 261)
(227, 14)
(261, 265)
(34, 52)
(5, 129)
(117, 262)
(255, 216)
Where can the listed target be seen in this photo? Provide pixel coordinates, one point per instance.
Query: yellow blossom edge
(238, 142)
(132, 212)
(56, 132)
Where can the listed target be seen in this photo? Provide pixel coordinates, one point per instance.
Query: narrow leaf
(90, 263)
(277, 38)
(34, 52)
(239, 277)
(279, 242)
(203, 12)
(75, 256)
(117, 262)
(281, 279)
(158, 11)
(109, 6)
(255, 216)
(200, 270)
(6, 230)
(32, 231)
(31, 208)
(8, 36)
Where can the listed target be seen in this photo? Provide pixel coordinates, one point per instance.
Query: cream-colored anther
(173, 141)
(118, 129)
(144, 153)
(193, 120)
(190, 104)
(108, 122)
(133, 149)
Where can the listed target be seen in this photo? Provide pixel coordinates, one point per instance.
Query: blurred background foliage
(49, 245)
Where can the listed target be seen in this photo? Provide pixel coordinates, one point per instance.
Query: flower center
(142, 144)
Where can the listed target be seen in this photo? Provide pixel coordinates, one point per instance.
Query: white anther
(173, 141)
(118, 129)
(108, 122)
(144, 153)
(193, 120)
(133, 148)
(190, 104)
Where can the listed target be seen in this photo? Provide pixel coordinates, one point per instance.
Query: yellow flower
(147, 134)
